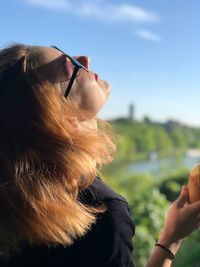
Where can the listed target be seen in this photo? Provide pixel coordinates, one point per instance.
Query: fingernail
(185, 188)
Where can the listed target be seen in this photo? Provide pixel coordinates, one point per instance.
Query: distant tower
(131, 112)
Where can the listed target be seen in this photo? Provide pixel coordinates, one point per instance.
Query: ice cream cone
(194, 184)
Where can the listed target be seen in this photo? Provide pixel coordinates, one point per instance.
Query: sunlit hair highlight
(45, 162)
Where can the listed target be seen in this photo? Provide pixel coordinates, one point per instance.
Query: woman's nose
(84, 60)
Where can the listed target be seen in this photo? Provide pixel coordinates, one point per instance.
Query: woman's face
(88, 91)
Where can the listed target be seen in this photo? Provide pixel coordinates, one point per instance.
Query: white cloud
(135, 14)
(148, 35)
(117, 13)
(100, 10)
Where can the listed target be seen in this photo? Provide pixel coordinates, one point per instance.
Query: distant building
(131, 112)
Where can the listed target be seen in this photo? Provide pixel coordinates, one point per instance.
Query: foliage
(171, 186)
(149, 201)
(139, 139)
(189, 254)
(149, 198)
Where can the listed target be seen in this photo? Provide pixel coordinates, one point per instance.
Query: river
(159, 167)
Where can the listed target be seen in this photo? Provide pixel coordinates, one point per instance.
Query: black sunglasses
(77, 65)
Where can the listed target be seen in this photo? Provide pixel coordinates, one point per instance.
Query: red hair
(45, 162)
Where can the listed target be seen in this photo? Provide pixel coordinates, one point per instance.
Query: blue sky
(148, 50)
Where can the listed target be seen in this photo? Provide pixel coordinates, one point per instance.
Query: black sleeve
(122, 228)
(112, 235)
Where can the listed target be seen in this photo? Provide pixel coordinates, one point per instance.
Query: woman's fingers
(195, 208)
(183, 197)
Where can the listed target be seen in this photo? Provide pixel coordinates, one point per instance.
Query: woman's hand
(182, 218)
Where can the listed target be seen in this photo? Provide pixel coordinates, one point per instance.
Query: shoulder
(115, 227)
(117, 217)
(99, 191)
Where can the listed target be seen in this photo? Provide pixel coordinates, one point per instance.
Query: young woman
(54, 209)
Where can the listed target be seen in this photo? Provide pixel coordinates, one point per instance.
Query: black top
(107, 244)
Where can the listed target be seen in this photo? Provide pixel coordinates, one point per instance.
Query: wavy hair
(45, 162)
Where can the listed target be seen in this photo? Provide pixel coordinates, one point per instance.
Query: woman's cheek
(88, 95)
(93, 100)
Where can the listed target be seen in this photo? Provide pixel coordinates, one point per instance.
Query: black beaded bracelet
(172, 256)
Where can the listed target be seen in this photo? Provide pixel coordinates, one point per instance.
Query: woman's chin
(105, 86)
(108, 86)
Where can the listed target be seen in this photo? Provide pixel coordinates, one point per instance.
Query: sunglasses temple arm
(71, 82)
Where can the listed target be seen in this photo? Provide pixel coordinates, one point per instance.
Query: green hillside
(138, 139)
